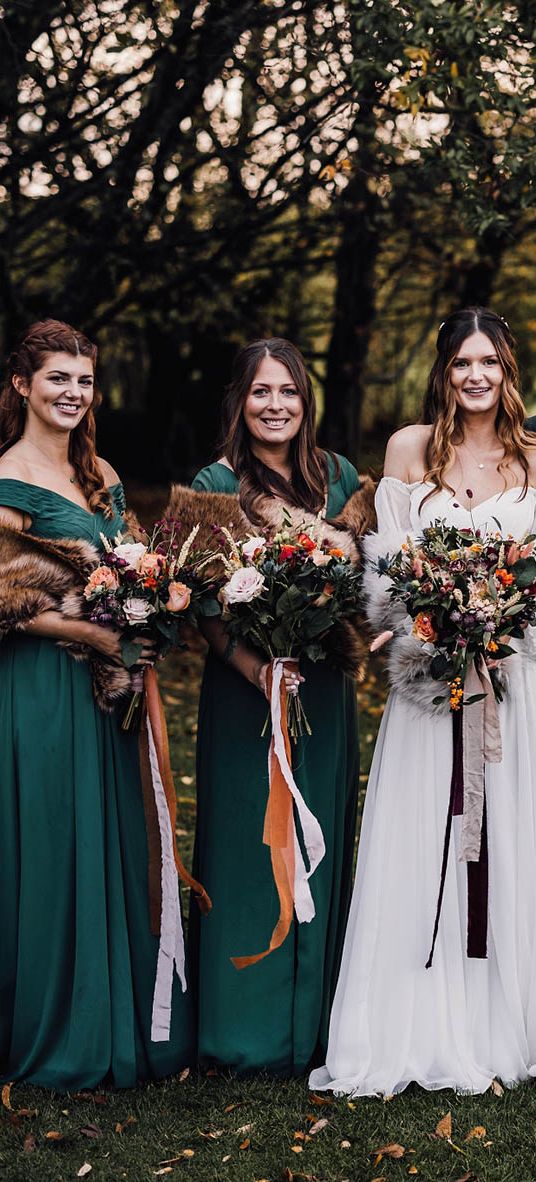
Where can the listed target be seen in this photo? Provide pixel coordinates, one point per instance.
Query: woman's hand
(293, 679)
(107, 641)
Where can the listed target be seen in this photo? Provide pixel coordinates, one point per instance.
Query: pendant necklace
(473, 457)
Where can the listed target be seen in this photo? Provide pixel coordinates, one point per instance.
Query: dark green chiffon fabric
(275, 1013)
(77, 958)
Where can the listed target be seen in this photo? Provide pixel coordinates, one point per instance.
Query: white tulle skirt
(462, 1022)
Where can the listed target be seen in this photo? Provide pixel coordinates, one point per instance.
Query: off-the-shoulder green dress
(273, 1014)
(77, 958)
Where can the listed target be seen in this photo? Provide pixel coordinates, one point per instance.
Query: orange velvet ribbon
(279, 836)
(154, 709)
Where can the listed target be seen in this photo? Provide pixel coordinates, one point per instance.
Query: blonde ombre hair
(441, 410)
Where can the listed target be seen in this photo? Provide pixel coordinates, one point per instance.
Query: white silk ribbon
(313, 838)
(171, 954)
(481, 744)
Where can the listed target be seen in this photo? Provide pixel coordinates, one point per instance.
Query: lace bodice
(401, 510)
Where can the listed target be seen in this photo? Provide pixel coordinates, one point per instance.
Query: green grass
(245, 1131)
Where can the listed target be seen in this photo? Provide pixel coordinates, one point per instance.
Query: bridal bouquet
(150, 588)
(467, 594)
(283, 594)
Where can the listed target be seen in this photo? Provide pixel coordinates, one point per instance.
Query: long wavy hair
(33, 347)
(308, 483)
(442, 412)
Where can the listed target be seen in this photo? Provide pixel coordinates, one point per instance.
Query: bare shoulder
(109, 474)
(405, 456)
(13, 466)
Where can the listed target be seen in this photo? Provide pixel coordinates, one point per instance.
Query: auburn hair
(29, 355)
(309, 477)
(441, 410)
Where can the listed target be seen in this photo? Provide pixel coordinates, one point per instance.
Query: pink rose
(103, 578)
(179, 597)
(243, 586)
(319, 557)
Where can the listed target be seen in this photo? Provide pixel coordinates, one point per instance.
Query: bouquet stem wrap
(476, 741)
(165, 864)
(280, 834)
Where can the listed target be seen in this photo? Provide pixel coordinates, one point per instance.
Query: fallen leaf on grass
(345, 1145)
(388, 1097)
(122, 1125)
(393, 1149)
(227, 1157)
(85, 1169)
(237, 1104)
(6, 1096)
(241, 1132)
(91, 1131)
(165, 1170)
(53, 1136)
(444, 1127)
(320, 1100)
(497, 1088)
(413, 1170)
(30, 1143)
(211, 1134)
(296, 1148)
(245, 1144)
(172, 1161)
(318, 1126)
(476, 1134)
(299, 1136)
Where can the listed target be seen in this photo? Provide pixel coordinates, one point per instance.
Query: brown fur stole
(43, 574)
(210, 510)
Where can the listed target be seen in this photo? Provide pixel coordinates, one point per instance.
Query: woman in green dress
(272, 1014)
(77, 957)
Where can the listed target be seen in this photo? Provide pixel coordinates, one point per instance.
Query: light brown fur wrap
(42, 574)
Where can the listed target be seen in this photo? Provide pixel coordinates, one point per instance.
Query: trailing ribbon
(476, 741)
(290, 874)
(165, 864)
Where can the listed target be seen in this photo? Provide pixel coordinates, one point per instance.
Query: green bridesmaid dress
(77, 957)
(273, 1014)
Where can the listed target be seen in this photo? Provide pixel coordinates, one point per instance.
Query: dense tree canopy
(176, 178)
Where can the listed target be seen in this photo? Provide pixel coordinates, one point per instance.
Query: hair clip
(504, 320)
(442, 325)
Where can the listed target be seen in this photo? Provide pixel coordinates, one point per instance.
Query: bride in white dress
(463, 1021)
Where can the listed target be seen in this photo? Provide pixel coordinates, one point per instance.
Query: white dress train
(462, 1022)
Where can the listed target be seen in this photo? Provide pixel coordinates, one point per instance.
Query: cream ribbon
(171, 954)
(481, 744)
(313, 838)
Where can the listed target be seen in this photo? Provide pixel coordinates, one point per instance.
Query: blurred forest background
(177, 178)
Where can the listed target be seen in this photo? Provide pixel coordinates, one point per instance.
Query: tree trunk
(353, 319)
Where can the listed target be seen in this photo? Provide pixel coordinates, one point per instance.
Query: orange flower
(503, 576)
(287, 552)
(306, 542)
(179, 597)
(151, 583)
(336, 553)
(423, 627)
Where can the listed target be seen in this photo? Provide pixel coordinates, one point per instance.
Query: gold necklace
(471, 453)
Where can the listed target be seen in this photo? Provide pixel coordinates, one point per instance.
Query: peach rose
(179, 597)
(150, 564)
(102, 578)
(423, 627)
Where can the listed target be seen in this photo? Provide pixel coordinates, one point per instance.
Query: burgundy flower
(469, 494)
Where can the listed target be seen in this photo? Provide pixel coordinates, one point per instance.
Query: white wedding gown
(464, 1021)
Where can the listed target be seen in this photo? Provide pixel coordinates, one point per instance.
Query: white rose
(250, 548)
(320, 558)
(137, 610)
(132, 552)
(243, 586)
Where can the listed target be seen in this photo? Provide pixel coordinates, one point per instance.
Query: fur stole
(43, 574)
(209, 509)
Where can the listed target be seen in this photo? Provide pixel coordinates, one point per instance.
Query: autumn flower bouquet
(467, 594)
(284, 592)
(150, 589)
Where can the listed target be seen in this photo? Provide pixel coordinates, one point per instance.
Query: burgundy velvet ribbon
(477, 872)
